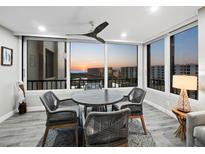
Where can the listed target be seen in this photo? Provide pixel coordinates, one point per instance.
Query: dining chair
(91, 86)
(95, 86)
(134, 101)
(107, 129)
(60, 117)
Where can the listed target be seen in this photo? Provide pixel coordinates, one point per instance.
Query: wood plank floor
(26, 130)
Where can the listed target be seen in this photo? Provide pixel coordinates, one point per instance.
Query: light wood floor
(26, 130)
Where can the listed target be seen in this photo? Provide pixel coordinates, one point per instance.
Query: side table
(181, 130)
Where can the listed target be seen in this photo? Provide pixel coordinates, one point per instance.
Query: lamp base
(183, 102)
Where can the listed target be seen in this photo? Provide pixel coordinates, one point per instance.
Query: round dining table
(97, 99)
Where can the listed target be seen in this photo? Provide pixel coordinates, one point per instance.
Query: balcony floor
(26, 130)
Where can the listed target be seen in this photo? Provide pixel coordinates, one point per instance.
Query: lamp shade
(185, 82)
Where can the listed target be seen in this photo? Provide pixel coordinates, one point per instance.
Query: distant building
(115, 73)
(157, 72)
(98, 72)
(128, 72)
(191, 69)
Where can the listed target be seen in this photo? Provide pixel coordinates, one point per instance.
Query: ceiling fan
(94, 33)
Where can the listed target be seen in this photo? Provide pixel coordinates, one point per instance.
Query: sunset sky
(89, 55)
(86, 55)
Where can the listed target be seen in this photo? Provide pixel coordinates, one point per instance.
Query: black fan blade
(99, 39)
(74, 34)
(90, 34)
(99, 28)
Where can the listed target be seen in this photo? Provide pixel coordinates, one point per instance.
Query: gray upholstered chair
(91, 86)
(95, 86)
(59, 117)
(107, 129)
(195, 135)
(134, 102)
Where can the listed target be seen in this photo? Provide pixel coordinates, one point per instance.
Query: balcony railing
(157, 84)
(78, 83)
(116, 83)
(46, 84)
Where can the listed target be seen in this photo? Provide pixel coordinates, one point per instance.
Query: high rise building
(157, 72)
(128, 72)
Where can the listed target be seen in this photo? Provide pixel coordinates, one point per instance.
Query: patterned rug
(66, 137)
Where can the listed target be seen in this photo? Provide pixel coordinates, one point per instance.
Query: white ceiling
(137, 21)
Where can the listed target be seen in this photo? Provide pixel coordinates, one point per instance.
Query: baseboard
(7, 115)
(161, 108)
(29, 109)
(35, 108)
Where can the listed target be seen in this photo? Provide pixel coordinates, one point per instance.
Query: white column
(145, 66)
(20, 58)
(140, 66)
(167, 63)
(25, 63)
(106, 67)
(68, 58)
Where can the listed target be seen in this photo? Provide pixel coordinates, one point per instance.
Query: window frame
(148, 63)
(24, 57)
(25, 40)
(70, 46)
(137, 59)
(172, 56)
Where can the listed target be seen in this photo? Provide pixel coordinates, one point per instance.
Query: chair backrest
(104, 128)
(137, 95)
(50, 101)
(92, 86)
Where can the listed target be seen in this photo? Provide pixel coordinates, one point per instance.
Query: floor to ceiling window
(184, 56)
(87, 64)
(46, 64)
(122, 65)
(155, 65)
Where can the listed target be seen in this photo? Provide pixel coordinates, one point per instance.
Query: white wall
(9, 74)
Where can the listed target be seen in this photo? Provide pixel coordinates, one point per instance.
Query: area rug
(66, 137)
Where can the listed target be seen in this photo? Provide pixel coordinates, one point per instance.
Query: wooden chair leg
(123, 145)
(143, 124)
(76, 136)
(45, 136)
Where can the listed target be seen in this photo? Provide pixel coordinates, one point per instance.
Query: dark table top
(97, 97)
